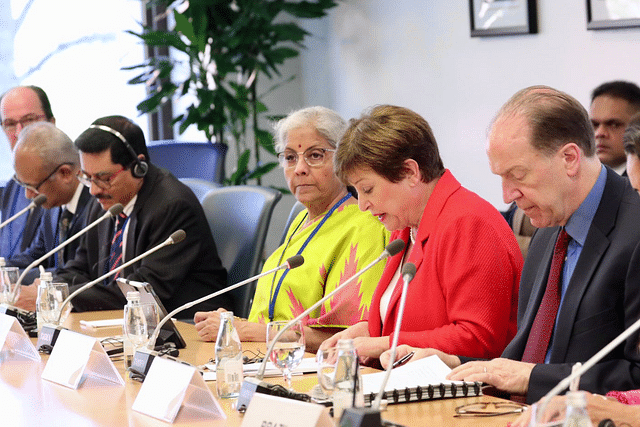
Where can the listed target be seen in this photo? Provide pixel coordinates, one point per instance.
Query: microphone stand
(576, 373)
(251, 385)
(49, 333)
(144, 357)
(370, 417)
(37, 201)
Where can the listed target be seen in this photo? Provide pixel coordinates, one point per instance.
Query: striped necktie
(115, 259)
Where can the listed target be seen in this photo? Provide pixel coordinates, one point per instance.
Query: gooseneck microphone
(291, 263)
(576, 373)
(36, 201)
(408, 272)
(176, 237)
(113, 211)
(49, 333)
(144, 357)
(251, 385)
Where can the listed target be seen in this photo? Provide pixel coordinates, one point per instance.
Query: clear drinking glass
(289, 350)
(139, 333)
(326, 360)
(8, 279)
(50, 299)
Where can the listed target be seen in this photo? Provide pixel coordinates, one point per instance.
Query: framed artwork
(603, 14)
(503, 17)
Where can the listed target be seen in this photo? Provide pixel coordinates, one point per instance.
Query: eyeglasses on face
(36, 188)
(10, 125)
(489, 409)
(314, 157)
(101, 179)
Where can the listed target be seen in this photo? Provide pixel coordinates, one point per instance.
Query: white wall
(419, 54)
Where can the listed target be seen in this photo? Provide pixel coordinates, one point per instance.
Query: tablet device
(169, 332)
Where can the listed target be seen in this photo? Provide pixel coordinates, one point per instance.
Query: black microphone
(49, 333)
(143, 357)
(36, 201)
(252, 385)
(19, 313)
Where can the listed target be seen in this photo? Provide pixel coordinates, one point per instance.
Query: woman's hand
(420, 353)
(357, 330)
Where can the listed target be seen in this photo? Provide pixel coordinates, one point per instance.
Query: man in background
(612, 106)
(46, 162)
(19, 107)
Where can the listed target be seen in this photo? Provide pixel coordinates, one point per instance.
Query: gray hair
(327, 122)
(631, 137)
(49, 143)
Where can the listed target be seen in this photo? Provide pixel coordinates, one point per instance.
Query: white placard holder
(170, 385)
(76, 357)
(14, 341)
(279, 411)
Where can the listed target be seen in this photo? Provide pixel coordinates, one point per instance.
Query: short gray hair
(49, 143)
(327, 122)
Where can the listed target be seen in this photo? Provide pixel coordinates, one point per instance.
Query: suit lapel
(594, 249)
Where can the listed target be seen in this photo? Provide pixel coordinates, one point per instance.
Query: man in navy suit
(19, 107)
(46, 162)
(542, 146)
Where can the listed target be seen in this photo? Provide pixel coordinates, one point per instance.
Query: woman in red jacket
(463, 298)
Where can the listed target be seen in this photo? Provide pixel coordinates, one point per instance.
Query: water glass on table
(289, 349)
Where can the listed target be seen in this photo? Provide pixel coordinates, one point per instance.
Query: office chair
(295, 210)
(202, 160)
(239, 219)
(200, 187)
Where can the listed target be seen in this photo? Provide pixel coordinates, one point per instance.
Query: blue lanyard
(272, 299)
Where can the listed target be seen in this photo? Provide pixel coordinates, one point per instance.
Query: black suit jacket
(601, 301)
(46, 237)
(178, 273)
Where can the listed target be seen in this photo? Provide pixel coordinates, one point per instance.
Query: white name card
(170, 385)
(76, 357)
(266, 410)
(14, 341)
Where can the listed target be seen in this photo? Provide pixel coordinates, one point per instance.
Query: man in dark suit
(46, 162)
(114, 165)
(19, 107)
(542, 146)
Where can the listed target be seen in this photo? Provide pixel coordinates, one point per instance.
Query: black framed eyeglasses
(489, 409)
(314, 156)
(36, 188)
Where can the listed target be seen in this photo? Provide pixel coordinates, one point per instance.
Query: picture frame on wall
(503, 17)
(607, 14)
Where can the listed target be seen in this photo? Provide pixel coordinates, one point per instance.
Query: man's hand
(504, 374)
(28, 295)
(420, 353)
(208, 323)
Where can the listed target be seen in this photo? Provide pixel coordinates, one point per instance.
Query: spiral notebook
(424, 379)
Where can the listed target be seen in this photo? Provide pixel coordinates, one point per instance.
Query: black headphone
(139, 170)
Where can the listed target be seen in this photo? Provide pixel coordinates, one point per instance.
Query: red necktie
(115, 259)
(542, 327)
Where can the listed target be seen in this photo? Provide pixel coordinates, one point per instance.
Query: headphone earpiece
(140, 169)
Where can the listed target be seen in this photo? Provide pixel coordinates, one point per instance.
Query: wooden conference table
(27, 400)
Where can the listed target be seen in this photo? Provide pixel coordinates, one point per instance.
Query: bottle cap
(2, 262)
(133, 295)
(46, 276)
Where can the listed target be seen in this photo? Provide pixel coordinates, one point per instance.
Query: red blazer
(463, 299)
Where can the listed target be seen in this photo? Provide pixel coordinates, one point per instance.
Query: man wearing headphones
(114, 165)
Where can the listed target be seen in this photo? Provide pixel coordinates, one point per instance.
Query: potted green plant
(226, 47)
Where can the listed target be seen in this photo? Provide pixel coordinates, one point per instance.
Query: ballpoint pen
(404, 359)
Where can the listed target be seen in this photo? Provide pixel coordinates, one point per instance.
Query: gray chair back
(200, 187)
(295, 210)
(202, 160)
(239, 218)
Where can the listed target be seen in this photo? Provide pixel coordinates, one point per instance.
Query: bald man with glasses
(47, 162)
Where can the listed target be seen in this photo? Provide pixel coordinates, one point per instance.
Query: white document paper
(308, 365)
(423, 372)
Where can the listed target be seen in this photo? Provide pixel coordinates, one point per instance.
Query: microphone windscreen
(116, 209)
(177, 236)
(409, 269)
(394, 247)
(295, 261)
(39, 200)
